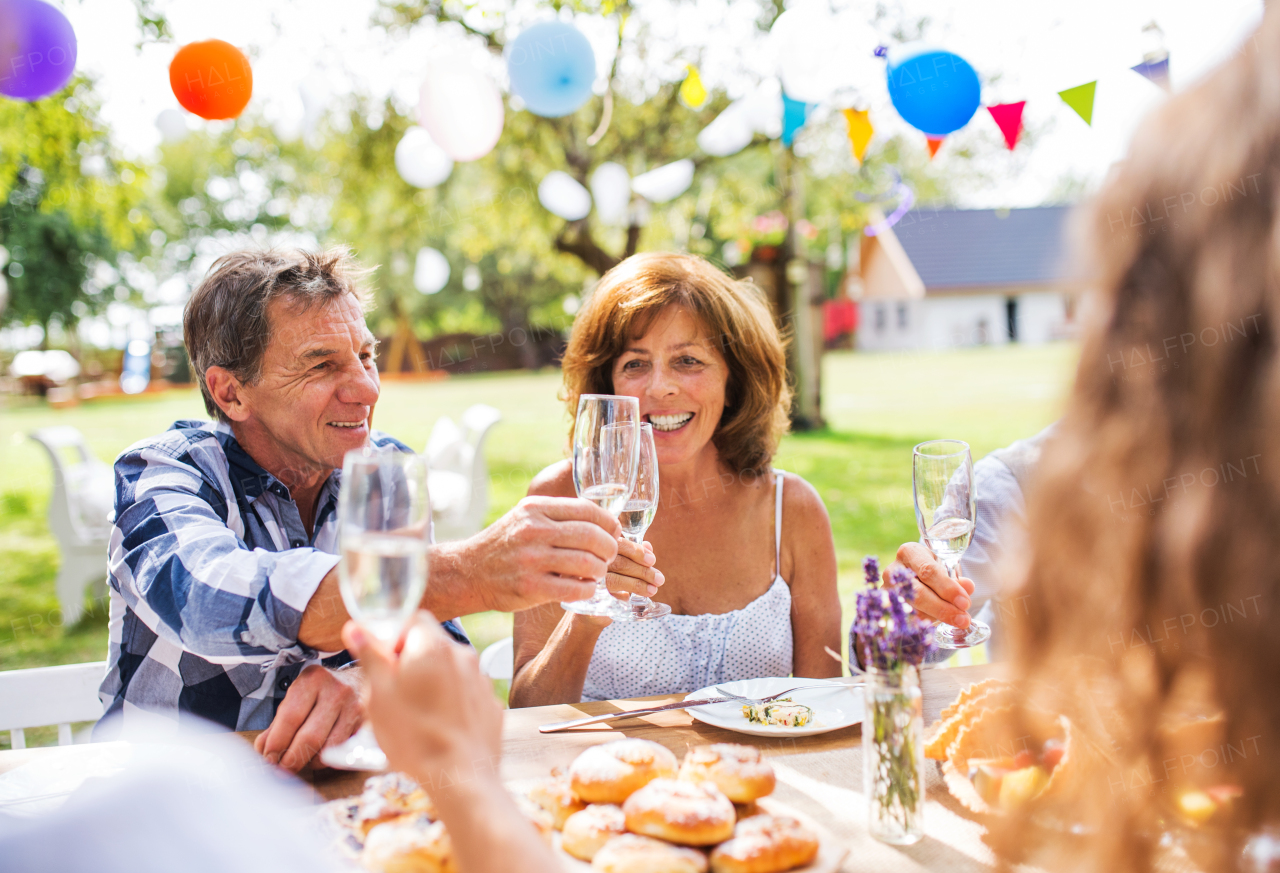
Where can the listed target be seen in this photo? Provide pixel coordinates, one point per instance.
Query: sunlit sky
(1023, 49)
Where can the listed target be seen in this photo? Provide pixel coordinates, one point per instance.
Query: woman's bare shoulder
(554, 481)
(801, 502)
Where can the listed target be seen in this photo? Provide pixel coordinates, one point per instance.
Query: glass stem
(638, 539)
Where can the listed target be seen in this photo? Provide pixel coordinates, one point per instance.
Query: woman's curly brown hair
(733, 314)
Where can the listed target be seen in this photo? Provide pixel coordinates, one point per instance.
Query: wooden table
(820, 776)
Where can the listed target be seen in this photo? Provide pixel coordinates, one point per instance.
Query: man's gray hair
(225, 323)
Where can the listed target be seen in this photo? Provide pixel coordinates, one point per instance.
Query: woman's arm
(809, 565)
(436, 718)
(553, 648)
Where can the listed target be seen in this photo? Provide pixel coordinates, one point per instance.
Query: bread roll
(765, 844)
(389, 796)
(556, 796)
(689, 813)
(410, 844)
(631, 853)
(741, 772)
(587, 831)
(611, 772)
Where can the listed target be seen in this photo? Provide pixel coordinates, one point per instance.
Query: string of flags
(1007, 116)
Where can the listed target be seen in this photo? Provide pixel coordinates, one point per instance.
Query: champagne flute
(384, 515)
(605, 454)
(638, 514)
(942, 477)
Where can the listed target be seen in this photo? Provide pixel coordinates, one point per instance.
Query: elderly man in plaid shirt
(224, 593)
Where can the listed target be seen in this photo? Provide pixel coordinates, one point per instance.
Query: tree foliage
(71, 208)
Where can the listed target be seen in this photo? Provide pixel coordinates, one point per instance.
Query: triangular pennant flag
(860, 130)
(935, 143)
(1080, 98)
(794, 115)
(691, 90)
(1156, 71)
(1008, 117)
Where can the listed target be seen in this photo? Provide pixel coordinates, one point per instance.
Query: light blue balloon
(551, 67)
(934, 91)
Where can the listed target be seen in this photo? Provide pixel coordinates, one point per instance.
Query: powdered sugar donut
(741, 772)
(611, 772)
(690, 813)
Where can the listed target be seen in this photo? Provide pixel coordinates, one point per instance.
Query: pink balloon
(461, 108)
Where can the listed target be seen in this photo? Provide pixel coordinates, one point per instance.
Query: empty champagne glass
(606, 443)
(638, 514)
(942, 476)
(384, 515)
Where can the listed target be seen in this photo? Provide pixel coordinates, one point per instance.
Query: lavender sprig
(886, 625)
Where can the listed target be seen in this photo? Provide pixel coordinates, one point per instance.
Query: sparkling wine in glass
(946, 511)
(638, 514)
(384, 514)
(606, 443)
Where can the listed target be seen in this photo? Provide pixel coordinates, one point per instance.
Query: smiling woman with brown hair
(747, 561)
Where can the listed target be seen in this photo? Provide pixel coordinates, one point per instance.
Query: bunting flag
(860, 130)
(1157, 71)
(935, 143)
(691, 89)
(1080, 98)
(794, 115)
(1008, 117)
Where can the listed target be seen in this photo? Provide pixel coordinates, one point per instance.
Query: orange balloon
(211, 79)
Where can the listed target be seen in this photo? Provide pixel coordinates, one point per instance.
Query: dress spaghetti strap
(777, 523)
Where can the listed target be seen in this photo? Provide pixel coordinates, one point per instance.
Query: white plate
(833, 709)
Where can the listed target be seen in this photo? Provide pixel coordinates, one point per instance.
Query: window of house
(881, 318)
(902, 316)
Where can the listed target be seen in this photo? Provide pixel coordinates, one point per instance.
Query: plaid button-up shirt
(210, 570)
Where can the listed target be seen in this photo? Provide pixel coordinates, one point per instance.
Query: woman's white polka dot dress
(682, 653)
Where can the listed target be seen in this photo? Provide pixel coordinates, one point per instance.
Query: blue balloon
(934, 91)
(551, 67)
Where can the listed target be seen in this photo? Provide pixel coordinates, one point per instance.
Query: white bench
(80, 514)
(50, 695)
(459, 478)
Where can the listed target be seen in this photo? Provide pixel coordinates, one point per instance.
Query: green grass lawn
(877, 408)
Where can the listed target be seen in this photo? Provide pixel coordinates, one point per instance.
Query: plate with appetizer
(623, 806)
(816, 708)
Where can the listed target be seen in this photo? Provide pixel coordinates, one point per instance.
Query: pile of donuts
(628, 806)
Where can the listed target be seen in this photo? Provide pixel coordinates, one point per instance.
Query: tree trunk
(799, 304)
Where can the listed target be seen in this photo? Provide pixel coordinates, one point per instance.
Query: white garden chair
(50, 695)
(498, 660)
(80, 514)
(459, 478)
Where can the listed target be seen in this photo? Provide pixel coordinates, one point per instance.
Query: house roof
(956, 248)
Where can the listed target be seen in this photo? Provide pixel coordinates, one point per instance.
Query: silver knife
(596, 719)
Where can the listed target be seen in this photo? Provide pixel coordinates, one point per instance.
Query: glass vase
(893, 755)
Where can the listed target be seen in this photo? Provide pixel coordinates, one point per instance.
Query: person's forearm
(488, 832)
(322, 620)
(452, 587)
(557, 673)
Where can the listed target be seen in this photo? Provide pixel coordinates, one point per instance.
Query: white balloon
(763, 108)
(611, 188)
(172, 125)
(461, 108)
(421, 162)
(729, 133)
(430, 271)
(665, 183)
(814, 49)
(564, 196)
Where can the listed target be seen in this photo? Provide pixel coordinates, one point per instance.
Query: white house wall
(971, 320)
(1042, 317)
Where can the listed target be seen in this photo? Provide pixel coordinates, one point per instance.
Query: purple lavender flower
(871, 567)
(886, 625)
